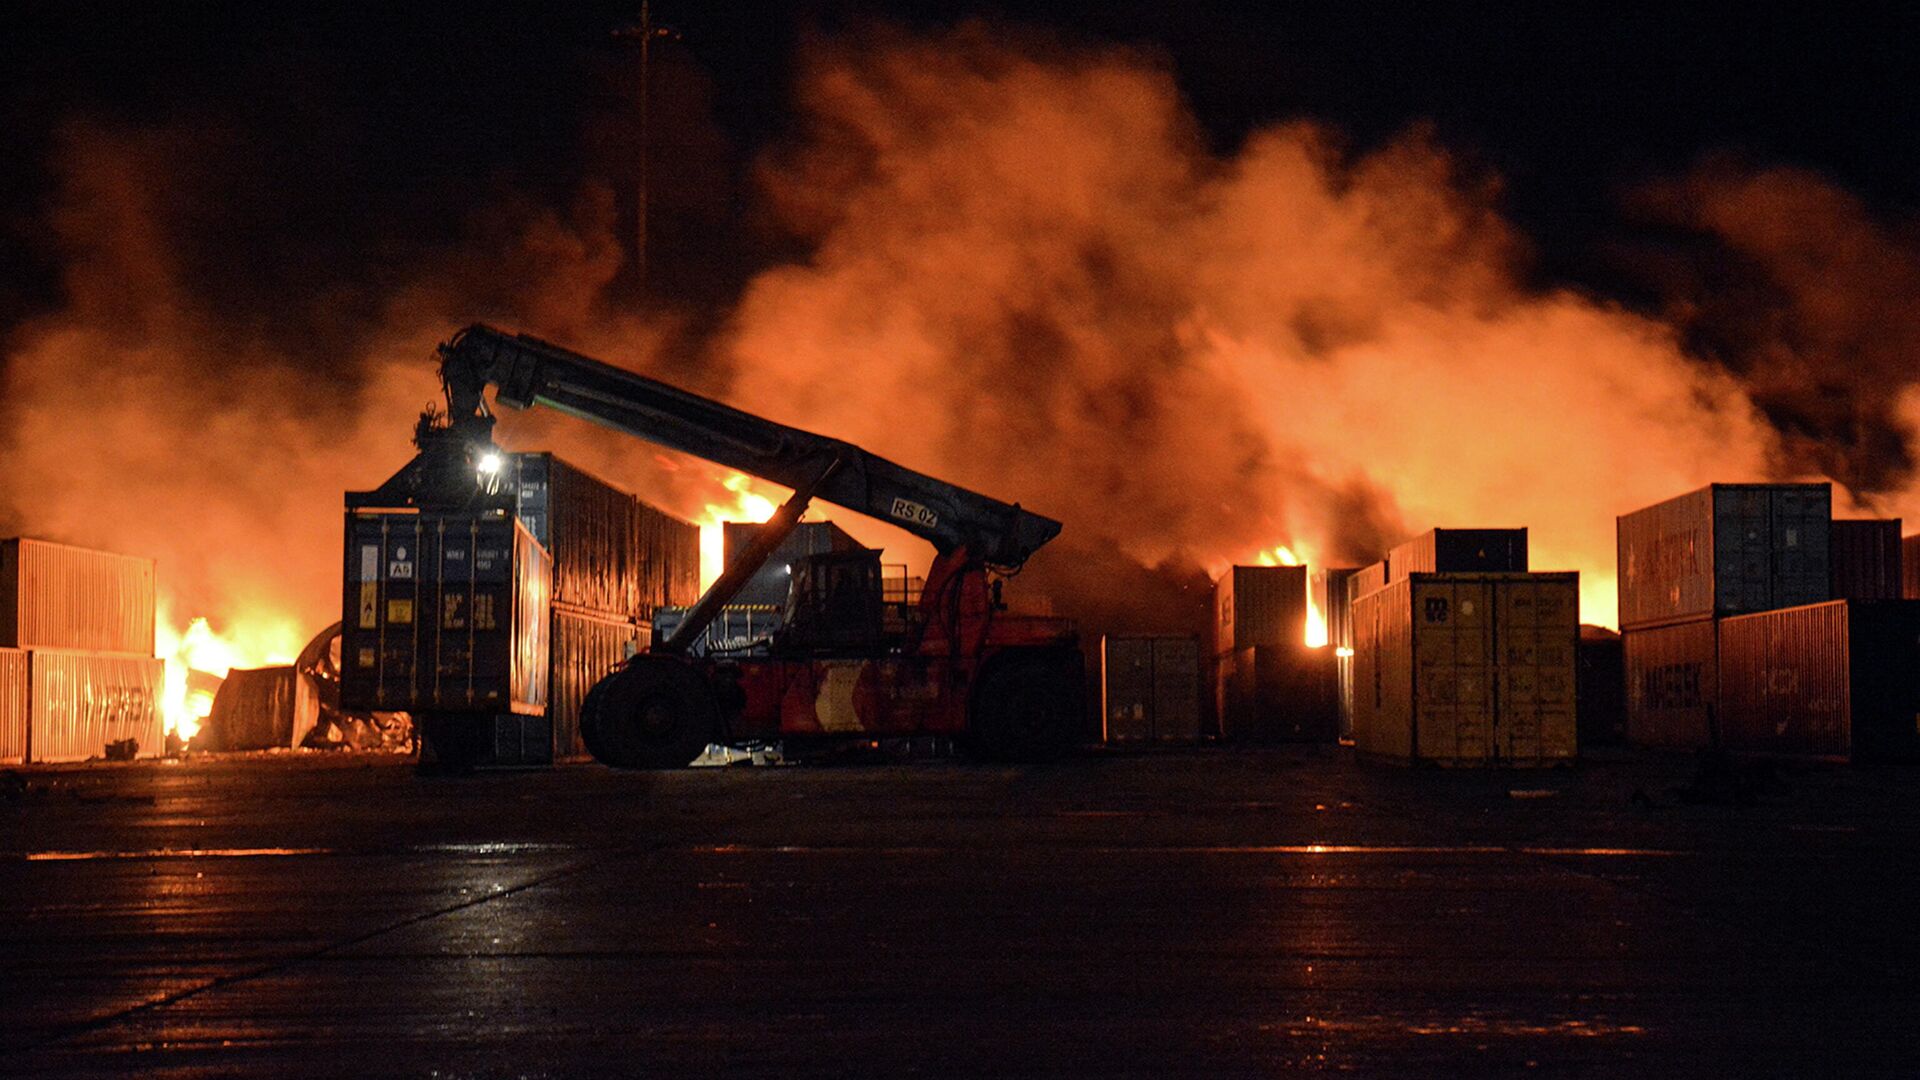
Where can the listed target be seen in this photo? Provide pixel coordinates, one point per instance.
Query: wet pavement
(1181, 913)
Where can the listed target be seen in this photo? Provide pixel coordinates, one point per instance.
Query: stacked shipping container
(1864, 559)
(77, 669)
(1268, 685)
(1726, 549)
(1834, 680)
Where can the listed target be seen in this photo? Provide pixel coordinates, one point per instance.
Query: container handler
(1006, 686)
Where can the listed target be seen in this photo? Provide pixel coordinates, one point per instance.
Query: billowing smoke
(1032, 277)
(1029, 274)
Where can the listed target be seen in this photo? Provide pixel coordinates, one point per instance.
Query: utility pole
(643, 32)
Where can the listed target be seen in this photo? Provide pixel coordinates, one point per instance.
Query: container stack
(1689, 562)
(1910, 567)
(1462, 657)
(1268, 685)
(1150, 689)
(574, 569)
(77, 669)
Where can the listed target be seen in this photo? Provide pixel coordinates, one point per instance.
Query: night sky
(354, 137)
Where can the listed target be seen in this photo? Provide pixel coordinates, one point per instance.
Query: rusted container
(1602, 688)
(1910, 568)
(1839, 681)
(768, 585)
(1725, 549)
(1280, 694)
(586, 649)
(13, 705)
(1673, 684)
(1864, 559)
(80, 702)
(589, 527)
(1460, 551)
(669, 558)
(1468, 669)
(445, 613)
(57, 596)
(1259, 605)
(268, 708)
(1150, 688)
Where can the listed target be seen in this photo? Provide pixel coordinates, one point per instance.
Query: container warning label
(400, 570)
(369, 562)
(908, 510)
(369, 605)
(399, 611)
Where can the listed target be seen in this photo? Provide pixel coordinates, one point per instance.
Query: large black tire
(652, 714)
(1026, 708)
(590, 720)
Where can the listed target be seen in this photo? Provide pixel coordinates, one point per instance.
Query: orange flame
(198, 648)
(746, 505)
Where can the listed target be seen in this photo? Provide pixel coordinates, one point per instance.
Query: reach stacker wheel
(651, 714)
(1026, 708)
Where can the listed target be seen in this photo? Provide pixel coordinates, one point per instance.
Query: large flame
(739, 503)
(198, 657)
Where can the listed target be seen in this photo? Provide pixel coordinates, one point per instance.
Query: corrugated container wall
(586, 649)
(1725, 549)
(1150, 688)
(1864, 559)
(1673, 683)
(1460, 551)
(1259, 605)
(260, 709)
(669, 555)
(13, 705)
(1367, 579)
(589, 527)
(1468, 669)
(81, 701)
(1910, 567)
(444, 613)
(1835, 680)
(56, 596)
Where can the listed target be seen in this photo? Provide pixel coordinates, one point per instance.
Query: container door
(1535, 634)
(1802, 518)
(1742, 549)
(1453, 671)
(1127, 697)
(1176, 689)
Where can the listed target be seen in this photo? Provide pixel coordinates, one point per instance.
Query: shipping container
(260, 709)
(1367, 579)
(1280, 694)
(445, 613)
(78, 703)
(1468, 669)
(57, 596)
(1910, 567)
(590, 529)
(768, 585)
(1460, 551)
(1725, 549)
(1864, 559)
(13, 706)
(586, 649)
(669, 558)
(1150, 688)
(1673, 684)
(1839, 680)
(1259, 605)
(1602, 688)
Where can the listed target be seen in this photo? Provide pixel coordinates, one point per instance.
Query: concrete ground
(1200, 913)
